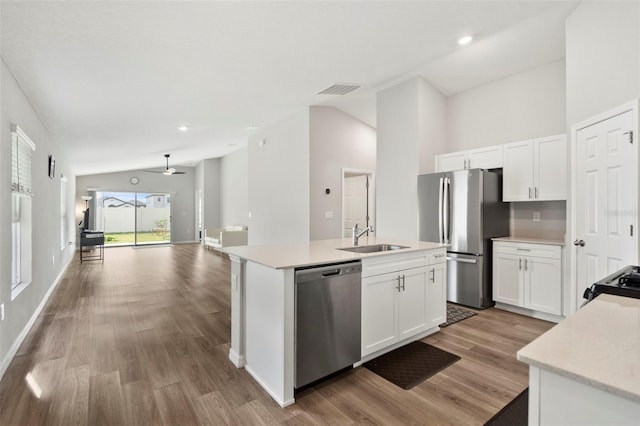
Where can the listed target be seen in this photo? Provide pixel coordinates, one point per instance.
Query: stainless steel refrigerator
(464, 209)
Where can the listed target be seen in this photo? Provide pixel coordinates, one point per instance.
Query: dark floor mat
(411, 364)
(456, 314)
(515, 413)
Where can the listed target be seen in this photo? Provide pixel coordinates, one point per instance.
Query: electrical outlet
(1, 311)
(536, 216)
(53, 260)
(328, 215)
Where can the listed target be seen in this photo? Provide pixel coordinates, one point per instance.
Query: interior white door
(606, 200)
(355, 203)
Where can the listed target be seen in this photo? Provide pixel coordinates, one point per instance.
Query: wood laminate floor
(143, 339)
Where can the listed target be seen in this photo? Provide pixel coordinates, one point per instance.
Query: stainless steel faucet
(357, 234)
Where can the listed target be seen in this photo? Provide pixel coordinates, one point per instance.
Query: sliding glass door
(133, 218)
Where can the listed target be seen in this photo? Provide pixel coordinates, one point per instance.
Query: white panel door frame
(372, 195)
(577, 288)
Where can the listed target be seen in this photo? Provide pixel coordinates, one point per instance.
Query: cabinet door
(543, 289)
(437, 295)
(485, 158)
(517, 180)
(378, 312)
(412, 302)
(452, 161)
(550, 168)
(507, 279)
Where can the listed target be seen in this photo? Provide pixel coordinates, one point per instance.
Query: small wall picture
(52, 167)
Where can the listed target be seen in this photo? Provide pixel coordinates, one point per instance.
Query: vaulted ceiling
(113, 81)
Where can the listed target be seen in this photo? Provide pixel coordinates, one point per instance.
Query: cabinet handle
(519, 263)
(398, 286)
(433, 275)
(402, 282)
(536, 192)
(529, 192)
(525, 264)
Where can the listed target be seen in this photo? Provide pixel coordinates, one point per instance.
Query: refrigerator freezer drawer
(465, 278)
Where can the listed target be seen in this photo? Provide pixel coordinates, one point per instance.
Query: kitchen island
(263, 301)
(586, 369)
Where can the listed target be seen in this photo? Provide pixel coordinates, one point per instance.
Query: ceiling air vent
(339, 89)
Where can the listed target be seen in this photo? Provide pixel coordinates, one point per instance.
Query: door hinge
(630, 135)
(367, 184)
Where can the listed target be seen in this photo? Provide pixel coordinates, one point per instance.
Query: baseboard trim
(529, 312)
(6, 361)
(278, 398)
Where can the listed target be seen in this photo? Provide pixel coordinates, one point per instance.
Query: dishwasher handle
(320, 272)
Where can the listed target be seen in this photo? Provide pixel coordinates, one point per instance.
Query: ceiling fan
(168, 171)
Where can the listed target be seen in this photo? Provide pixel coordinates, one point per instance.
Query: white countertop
(532, 240)
(599, 345)
(294, 255)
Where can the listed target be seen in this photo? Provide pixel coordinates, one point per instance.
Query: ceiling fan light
(167, 172)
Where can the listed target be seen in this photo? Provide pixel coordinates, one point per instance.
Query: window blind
(21, 162)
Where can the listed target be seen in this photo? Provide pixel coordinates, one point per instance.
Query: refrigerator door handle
(462, 260)
(440, 210)
(445, 213)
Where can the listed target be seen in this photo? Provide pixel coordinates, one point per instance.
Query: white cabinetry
(402, 296)
(528, 276)
(481, 158)
(535, 170)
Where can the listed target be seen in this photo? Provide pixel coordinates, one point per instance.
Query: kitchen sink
(373, 248)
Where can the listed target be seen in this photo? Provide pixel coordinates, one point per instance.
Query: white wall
(234, 188)
(278, 195)
(603, 72)
(410, 123)
(211, 192)
(522, 106)
(603, 57)
(181, 188)
(337, 141)
(49, 259)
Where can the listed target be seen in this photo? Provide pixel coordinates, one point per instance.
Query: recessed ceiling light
(465, 40)
(231, 144)
(183, 128)
(254, 127)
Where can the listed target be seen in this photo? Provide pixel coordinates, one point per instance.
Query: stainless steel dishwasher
(327, 320)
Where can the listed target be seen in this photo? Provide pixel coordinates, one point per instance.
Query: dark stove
(625, 282)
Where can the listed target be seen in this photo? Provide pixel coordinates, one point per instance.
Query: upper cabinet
(489, 157)
(535, 170)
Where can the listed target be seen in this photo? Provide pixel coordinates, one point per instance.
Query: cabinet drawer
(394, 262)
(527, 249)
(437, 256)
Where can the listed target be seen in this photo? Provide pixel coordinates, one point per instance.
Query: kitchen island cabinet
(409, 298)
(585, 369)
(263, 300)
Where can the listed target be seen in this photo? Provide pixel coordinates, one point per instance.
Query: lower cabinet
(528, 276)
(436, 294)
(400, 304)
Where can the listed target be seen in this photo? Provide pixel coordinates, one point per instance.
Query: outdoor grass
(129, 237)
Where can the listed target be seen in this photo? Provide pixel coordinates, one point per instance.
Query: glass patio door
(134, 218)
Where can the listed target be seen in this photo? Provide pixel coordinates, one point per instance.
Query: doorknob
(578, 243)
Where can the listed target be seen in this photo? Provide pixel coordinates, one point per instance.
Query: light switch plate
(536, 216)
(328, 215)
(1, 311)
